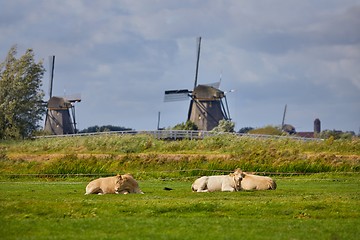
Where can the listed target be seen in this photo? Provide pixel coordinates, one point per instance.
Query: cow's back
(108, 184)
(215, 183)
(102, 185)
(255, 182)
(199, 184)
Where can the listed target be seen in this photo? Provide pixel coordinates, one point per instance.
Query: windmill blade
(214, 85)
(176, 95)
(73, 118)
(283, 120)
(52, 65)
(76, 97)
(230, 91)
(197, 62)
(226, 110)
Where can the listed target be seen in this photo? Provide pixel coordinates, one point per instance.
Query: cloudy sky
(121, 55)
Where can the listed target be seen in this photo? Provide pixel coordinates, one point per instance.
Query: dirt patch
(168, 156)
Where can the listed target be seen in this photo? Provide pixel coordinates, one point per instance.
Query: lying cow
(119, 184)
(224, 183)
(255, 182)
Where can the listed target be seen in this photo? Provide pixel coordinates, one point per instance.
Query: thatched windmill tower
(206, 106)
(58, 120)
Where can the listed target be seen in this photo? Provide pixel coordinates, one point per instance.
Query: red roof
(305, 134)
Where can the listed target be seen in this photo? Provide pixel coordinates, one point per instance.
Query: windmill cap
(58, 103)
(206, 92)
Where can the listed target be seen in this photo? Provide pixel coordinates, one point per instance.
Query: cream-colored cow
(224, 183)
(119, 184)
(255, 182)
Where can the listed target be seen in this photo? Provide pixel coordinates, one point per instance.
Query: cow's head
(238, 176)
(118, 182)
(127, 184)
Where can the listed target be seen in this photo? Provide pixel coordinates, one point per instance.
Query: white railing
(180, 134)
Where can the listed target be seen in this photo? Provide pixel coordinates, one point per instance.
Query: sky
(121, 55)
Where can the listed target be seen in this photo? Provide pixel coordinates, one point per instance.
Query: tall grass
(122, 144)
(158, 158)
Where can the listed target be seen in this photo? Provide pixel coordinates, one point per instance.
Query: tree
(105, 128)
(21, 105)
(245, 129)
(189, 125)
(224, 126)
(336, 134)
(267, 130)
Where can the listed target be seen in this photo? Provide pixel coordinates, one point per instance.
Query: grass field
(318, 206)
(42, 199)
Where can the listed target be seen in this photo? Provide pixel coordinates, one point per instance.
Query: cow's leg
(202, 190)
(203, 186)
(225, 188)
(123, 192)
(94, 191)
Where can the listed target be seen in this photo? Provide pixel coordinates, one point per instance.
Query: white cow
(224, 183)
(119, 184)
(255, 182)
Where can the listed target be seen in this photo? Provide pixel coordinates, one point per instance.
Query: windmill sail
(197, 62)
(214, 85)
(176, 95)
(73, 97)
(52, 64)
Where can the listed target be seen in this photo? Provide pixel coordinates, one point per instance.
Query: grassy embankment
(145, 156)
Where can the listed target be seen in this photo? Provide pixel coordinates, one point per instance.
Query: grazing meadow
(312, 207)
(43, 182)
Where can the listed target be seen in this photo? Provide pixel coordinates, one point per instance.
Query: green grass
(111, 153)
(53, 206)
(125, 144)
(319, 206)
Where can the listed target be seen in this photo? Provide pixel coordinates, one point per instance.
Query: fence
(180, 134)
(164, 175)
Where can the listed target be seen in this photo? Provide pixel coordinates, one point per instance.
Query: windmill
(58, 120)
(290, 129)
(207, 107)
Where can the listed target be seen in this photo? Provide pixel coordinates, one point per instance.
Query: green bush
(268, 130)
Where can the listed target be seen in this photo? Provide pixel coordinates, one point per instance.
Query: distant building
(315, 133)
(317, 126)
(305, 134)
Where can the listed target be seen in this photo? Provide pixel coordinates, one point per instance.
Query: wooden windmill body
(58, 119)
(207, 107)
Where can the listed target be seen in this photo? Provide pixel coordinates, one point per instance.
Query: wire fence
(162, 175)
